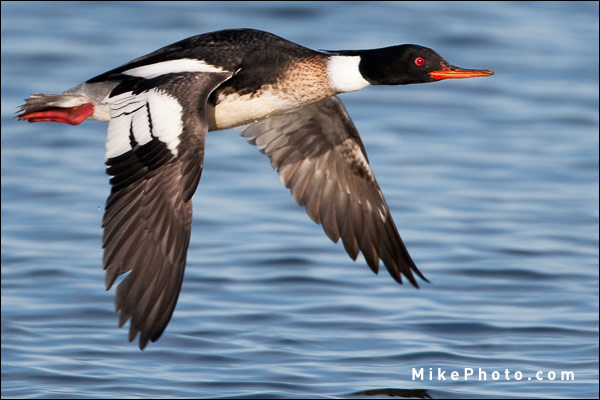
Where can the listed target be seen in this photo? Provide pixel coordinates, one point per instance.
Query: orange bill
(452, 72)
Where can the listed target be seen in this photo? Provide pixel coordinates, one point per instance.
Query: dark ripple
(475, 328)
(289, 261)
(391, 392)
(516, 274)
(302, 280)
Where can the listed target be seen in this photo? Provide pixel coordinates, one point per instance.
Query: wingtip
(419, 274)
(143, 343)
(411, 276)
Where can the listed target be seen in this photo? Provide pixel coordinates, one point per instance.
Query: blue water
(493, 183)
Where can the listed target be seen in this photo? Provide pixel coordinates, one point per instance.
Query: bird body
(282, 96)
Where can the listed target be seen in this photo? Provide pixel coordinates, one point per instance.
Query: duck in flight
(282, 97)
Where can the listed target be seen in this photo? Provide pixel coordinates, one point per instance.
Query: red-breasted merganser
(283, 97)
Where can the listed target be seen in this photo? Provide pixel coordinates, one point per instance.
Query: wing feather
(319, 156)
(154, 172)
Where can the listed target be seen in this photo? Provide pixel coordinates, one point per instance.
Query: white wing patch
(153, 113)
(167, 118)
(171, 67)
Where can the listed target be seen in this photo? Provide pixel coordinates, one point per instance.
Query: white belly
(234, 110)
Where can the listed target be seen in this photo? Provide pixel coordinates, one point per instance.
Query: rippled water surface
(493, 183)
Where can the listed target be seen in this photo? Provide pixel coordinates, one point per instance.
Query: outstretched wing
(319, 156)
(154, 156)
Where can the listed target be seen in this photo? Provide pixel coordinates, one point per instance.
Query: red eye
(419, 61)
